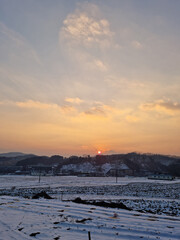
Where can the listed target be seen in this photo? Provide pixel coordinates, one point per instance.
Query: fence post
(89, 235)
(61, 196)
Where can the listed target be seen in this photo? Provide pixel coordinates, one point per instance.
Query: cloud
(132, 118)
(106, 110)
(36, 104)
(100, 65)
(67, 109)
(124, 82)
(85, 27)
(74, 100)
(168, 107)
(96, 111)
(137, 44)
(15, 37)
(87, 108)
(109, 152)
(84, 38)
(18, 42)
(31, 104)
(99, 108)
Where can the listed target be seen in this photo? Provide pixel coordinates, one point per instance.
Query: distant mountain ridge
(11, 158)
(13, 154)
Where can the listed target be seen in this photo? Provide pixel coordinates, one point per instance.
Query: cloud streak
(99, 111)
(17, 41)
(137, 44)
(168, 107)
(74, 100)
(37, 105)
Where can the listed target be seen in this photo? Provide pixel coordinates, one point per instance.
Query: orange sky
(81, 78)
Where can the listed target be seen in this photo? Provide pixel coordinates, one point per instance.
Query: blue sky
(81, 76)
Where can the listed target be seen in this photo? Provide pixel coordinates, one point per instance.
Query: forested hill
(137, 162)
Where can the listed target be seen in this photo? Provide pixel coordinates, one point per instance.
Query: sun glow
(99, 152)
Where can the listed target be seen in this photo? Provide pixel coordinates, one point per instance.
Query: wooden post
(39, 176)
(61, 196)
(89, 235)
(116, 175)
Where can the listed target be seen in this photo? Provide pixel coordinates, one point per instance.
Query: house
(120, 171)
(42, 170)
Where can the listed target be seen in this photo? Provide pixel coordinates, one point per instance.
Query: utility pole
(89, 235)
(116, 176)
(39, 176)
(116, 171)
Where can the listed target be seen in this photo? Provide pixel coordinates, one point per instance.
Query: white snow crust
(155, 205)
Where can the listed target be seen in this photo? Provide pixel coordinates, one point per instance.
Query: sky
(78, 77)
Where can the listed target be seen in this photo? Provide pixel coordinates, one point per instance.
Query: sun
(99, 152)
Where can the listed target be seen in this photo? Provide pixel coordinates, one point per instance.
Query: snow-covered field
(7, 181)
(155, 208)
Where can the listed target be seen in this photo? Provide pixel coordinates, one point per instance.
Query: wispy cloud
(74, 100)
(132, 119)
(96, 111)
(36, 104)
(107, 110)
(162, 106)
(85, 27)
(32, 104)
(137, 44)
(17, 41)
(100, 65)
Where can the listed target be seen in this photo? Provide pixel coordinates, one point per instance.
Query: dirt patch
(102, 204)
(83, 220)
(42, 194)
(34, 234)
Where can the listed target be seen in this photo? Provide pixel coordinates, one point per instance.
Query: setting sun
(99, 152)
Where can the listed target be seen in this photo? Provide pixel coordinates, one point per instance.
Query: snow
(81, 168)
(123, 166)
(54, 218)
(106, 167)
(155, 204)
(8, 181)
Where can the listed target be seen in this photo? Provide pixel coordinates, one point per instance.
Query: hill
(133, 164)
